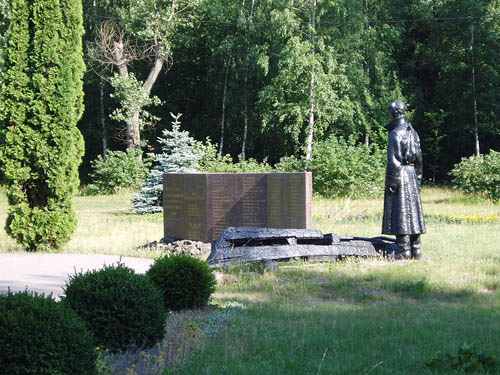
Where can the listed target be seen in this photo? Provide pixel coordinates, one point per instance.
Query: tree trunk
(133, 130)
(133, 133)
(134, 125)
(312, 103)
(245, 132)
(310, 132)
(245, 98)
(221, 145)
(153, 74)
(133, 136)
(104, 133)
(367, 58)
(476, 128)
(119, 57)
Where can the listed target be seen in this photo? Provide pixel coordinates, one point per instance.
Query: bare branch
(112, 49)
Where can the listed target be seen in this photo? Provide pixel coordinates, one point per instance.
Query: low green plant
(40, 336)
(102, 367)
(117, 171)
(343, 168)
(463, 219)
(123, 309)
(213, 162)
(291, 164)
(468, 359)
(185, 332)
(479, 175)
(186, 282)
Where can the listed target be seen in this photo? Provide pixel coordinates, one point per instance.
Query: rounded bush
(186, 282)
(119, 170)
(343, 168)
(41, 336)
(123, 309)
(479, 175)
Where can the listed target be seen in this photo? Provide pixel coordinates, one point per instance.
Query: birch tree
(310, 90)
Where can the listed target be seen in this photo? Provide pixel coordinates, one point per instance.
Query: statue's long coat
(403, 208)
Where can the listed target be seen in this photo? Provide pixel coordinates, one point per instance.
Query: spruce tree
(179, 156)
(41, 102)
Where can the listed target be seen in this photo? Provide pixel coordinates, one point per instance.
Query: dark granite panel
(185, 206)
(200, 206)
(289, 198)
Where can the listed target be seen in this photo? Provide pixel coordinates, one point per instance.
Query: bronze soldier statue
(403, 215)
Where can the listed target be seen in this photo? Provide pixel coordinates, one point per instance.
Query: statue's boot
(403, 241)
(416, 246)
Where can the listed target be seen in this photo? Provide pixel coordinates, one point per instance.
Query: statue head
(397, 109)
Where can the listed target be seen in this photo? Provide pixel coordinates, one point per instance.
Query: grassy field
(106, 225)
(350, 317)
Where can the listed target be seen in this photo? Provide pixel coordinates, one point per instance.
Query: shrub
(224, 164)
(479, 175)
(123, 309)
(212, 162)
(343, 168)
(40, 336)
(291, 164)
(119, 170)
(186, 282)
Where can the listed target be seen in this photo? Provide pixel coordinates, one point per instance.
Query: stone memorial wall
(200, 206)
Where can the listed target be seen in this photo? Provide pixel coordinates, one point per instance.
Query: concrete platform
(48, 273)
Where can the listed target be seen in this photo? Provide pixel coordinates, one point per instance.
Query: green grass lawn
(359, 316)
(106, 225)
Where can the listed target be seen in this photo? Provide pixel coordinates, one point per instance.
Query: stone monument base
(249, 244)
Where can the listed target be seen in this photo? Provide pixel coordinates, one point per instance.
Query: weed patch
(468, 359)
(185, 332)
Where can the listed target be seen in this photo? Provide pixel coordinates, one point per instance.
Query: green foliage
(119, 170)
(122, 309)
(343, 168)
(4, 24)
(339, 167)
(310, 79)
(212, 162)
(186, 282)
(179, 156)
(271, 68)
(468, 359)
(479, 175)
(133, 97)
(291, 164)
(434, 143)
(41, 97)
(225, 164)
(40, 336)
(143, 30)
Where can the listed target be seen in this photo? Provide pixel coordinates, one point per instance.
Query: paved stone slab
(232, 234)
(246, 244)
(48, 273)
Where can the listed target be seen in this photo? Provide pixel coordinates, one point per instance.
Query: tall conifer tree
(41, 103)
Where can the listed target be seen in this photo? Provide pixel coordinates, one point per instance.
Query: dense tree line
(270, 78)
